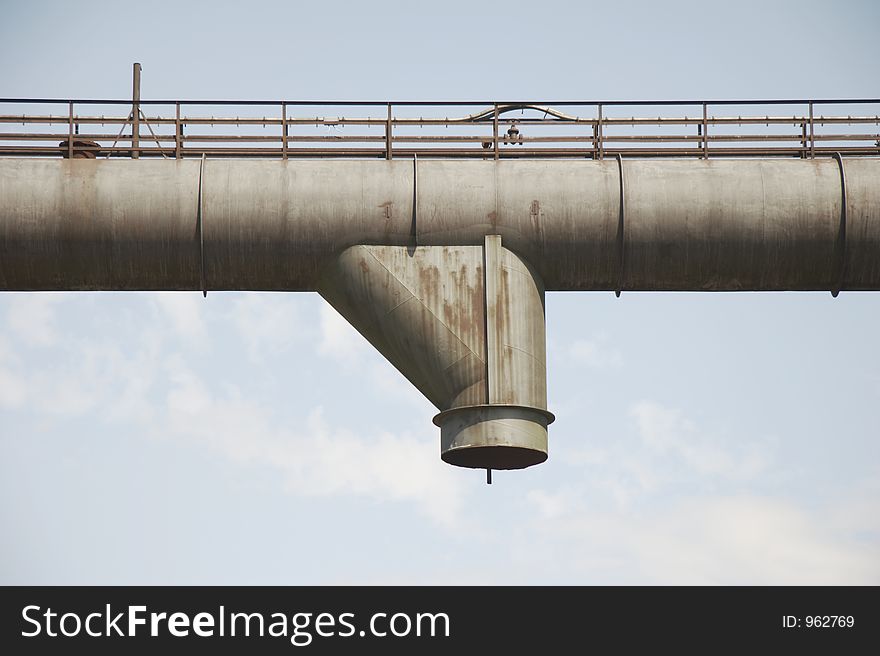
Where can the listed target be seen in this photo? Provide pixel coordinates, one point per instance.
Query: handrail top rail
(446, 103)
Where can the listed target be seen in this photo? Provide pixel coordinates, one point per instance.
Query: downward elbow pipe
(443, 264)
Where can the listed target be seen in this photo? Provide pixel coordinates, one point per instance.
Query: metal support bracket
(839, 261)
(621, 262)
(413, 228)
(199, 223)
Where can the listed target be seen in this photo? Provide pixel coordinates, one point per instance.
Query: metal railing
(178, 129)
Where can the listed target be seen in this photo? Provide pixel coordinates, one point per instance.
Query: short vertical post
(599, 134)
(705, 131)
(70, 130)
(812, 134)
(283, 130)
(595, 154)
(803, 140)
(135, 111)
(388, 123)
(495, 131)
(178, 131)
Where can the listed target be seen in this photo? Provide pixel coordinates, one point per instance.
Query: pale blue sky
(255, 438)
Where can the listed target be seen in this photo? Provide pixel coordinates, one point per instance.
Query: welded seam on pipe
(414, 296)
(486, 315)
(202, 280)
(495, 211)
(413, 229)
(491, 293)
(620, 227)
(840, 244)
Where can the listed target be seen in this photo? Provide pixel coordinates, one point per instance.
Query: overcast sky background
(257, 439)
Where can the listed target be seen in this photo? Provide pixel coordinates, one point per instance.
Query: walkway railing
(178, 129)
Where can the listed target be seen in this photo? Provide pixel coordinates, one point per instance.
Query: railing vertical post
(595, 140)
(495, 131)
(283, 130)
(388, 135)
(178, 131)
(812, 134)
(599, 133)
(135, 110)
(70, 130)
(705, 131)
(803, 140)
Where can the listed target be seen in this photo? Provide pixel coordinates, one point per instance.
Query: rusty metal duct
(465, 325)
(443, 264)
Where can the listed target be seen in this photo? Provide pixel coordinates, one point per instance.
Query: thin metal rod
(812, 135)
(135, 110)
(804, 139)
(595, 140)
(488, 477)
(452, 103)
(70, 131)
(388, 154)
(155, 138)
(283, 131)
(705, 131)
(178, 131)
(495, 131)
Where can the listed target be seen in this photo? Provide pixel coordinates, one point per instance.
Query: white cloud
(339, 340)
(316, 460)
(111, 368)
(13, 390)
(663, 503)
(594, 353)
(665, 453)
(267, 324)
(394, 385)
(666, 431)
(351, 351)
(125, 375)
(549, 504)
(185, 312)
(86, 375)
(682, 514)
(727, 540)
(31, 317)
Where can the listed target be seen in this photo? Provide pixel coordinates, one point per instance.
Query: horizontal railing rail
(177, 129)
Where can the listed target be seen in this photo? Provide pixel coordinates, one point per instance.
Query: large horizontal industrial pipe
(443, 265)
(583, 225)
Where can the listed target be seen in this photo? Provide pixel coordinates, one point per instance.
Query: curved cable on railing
(489, 114)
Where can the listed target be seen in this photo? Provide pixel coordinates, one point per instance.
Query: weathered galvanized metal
(465, 325)
(722, 225)
(443, 265)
